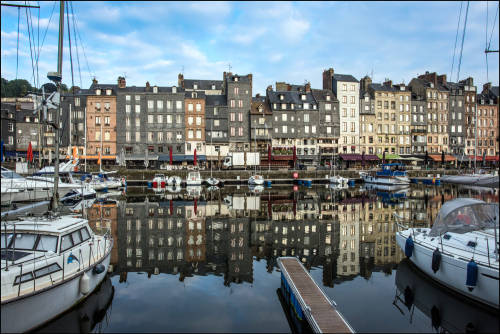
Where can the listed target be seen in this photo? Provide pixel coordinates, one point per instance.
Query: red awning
(478, 158)
(492, 158)
(438, 157)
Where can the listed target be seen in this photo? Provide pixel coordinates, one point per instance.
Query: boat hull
(32, 311)
(387, 181)
(24, 195)
(452, 272)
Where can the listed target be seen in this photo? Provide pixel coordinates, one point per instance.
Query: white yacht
(194, 179)
(48, 265)
(174, 180)
(392, 174)
(159, 181)
(256, 180)
(102, 181)
(460, 251)
(15, 188)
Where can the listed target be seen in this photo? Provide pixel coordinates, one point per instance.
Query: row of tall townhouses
(215, 117)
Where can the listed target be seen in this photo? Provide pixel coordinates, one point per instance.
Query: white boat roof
(458, 203)
(44, 224)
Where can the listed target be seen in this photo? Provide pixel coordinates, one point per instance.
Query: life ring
(464, 218)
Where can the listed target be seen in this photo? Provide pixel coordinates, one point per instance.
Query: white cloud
(192, 52)
(158, 64)
(249, 35)
(293, 28)
(210, 8)
(276, 57)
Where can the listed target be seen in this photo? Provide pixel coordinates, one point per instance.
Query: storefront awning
(492, 158)
(438, 157)
(358, 157)
(389, 156)
(141, 157)
(181, 158)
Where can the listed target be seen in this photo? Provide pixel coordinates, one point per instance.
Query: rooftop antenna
(229, 67)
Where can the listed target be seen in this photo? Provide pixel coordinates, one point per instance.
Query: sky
(281, 41)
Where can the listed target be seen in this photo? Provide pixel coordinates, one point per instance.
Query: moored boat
(391, 174)
(460, 251)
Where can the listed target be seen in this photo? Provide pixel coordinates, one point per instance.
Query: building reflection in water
(347, 233)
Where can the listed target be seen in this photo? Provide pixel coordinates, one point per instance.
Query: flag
(75, 155)
(170, 154)
(99, 158)
(194, 159)
(29, 154)
(195, 206)
(269, 153)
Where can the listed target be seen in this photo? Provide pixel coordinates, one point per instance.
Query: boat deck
(323, 316)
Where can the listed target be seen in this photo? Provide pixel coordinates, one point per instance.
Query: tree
(49, 87)
(16, 88)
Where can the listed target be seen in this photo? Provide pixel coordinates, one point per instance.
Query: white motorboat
(49, 264)
(159, 181)
(391, 174)
(460, 251)
(475, 179)
(66, 180)
(174, 180)
(102, 181)
(256, 180)
(337, 179)
(193, 178)
(212, 181)
(15, 188)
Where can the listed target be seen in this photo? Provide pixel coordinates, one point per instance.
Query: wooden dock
(321, 312)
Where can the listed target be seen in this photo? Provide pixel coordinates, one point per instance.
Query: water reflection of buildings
(347, 232)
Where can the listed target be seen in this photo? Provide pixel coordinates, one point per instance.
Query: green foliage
(16, 88)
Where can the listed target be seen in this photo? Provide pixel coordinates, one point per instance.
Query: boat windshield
(8, 174)
(467, 218)
(28, 241)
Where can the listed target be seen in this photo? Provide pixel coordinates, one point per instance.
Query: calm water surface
(203, 261)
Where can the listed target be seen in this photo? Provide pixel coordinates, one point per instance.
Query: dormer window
(108, 91)
(174, 89)
(195, 86)
(261, 109)
(213, 87)
(328, 97)
(431, 85)
(303, 97)
(235, 78)
(281, 97)
(155, 89)
(292, 106)
(97, 91)
(194, 95)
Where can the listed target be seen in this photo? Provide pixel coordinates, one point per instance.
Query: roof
(216, 100)
(43, 224)
(199, 95)
(254, 107)
(202, 84)
(290, 97)
(345, 77)
(320, 94)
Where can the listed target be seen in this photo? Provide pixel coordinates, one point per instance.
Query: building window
(107, 135)
(233, 133)
(198, 107)
(233, 103)
(190, 134)
(198, 134)
(178, 105)
(137, 108)
(107, 120)
(97, 120)
(240, 103)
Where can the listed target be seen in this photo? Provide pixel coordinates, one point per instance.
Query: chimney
(307, 87)
(180, 80)
(18, 106)
(258, 95)
(250, 77)
(269, 88)
(442, 79)
(288, 87)
(486, 87)
(148, 87)
(94, 81)
(388, 83)
(365, 83)
(121, 82)
(327, 78)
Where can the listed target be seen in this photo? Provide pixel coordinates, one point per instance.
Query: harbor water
(205, 261)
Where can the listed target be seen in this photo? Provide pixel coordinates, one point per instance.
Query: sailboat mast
(475, 142)
(55, 197)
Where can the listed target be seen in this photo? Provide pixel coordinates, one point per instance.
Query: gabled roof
(344, 77)
(255, 105)
(320, 94)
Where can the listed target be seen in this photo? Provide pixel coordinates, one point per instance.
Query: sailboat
(256, 179)
(337, 179)
(52, 262)
(212, 181)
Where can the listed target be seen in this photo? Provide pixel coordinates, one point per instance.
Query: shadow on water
(90, 315)
(445, 310)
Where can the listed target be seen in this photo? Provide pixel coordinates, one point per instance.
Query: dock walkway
(320, 311)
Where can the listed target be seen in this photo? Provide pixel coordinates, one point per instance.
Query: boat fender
(435, 317)
(471, 275)
(85, 284)
(98, 269)
(409, 245)
(436, 260)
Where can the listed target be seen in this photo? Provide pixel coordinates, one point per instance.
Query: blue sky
(282, 41)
